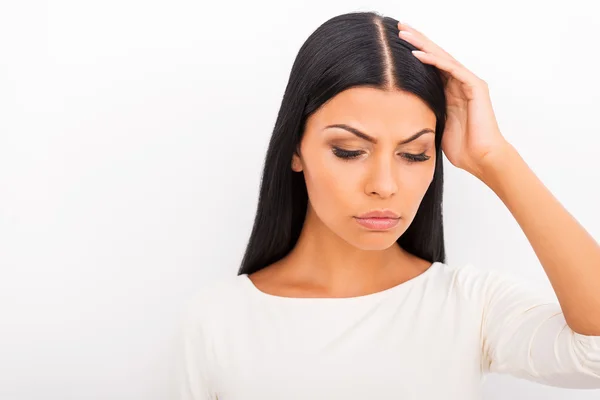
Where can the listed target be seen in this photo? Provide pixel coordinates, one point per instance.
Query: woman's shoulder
(483, 283)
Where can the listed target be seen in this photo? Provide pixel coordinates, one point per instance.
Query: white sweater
(432, 337)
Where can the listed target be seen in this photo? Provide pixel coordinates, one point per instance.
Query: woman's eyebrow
(364, 136)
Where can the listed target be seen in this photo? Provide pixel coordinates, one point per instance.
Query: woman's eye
(350, 154)
(416, 157)
(346, 154)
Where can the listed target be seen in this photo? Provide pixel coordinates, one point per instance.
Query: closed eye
(352, 154)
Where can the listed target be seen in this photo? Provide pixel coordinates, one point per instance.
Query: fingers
(419, 40)
(433, 54)
(448, 65)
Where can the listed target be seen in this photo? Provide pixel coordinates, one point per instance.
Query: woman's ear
(296, 162)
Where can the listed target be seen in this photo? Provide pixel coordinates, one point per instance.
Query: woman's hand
(472, 134)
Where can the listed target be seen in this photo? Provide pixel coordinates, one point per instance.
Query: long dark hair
(354, 49)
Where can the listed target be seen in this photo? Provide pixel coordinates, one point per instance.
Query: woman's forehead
(374, 110)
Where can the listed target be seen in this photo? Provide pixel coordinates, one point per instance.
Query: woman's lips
(378, 223)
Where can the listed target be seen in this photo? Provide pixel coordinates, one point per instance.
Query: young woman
(344, 291)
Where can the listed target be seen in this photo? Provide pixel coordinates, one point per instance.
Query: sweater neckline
(401, 286)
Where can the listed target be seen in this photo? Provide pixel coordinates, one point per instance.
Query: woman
(343, 292)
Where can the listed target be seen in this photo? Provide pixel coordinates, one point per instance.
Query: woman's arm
(569, 255)
(524, 333)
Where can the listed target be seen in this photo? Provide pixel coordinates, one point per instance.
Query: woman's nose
(382, 180)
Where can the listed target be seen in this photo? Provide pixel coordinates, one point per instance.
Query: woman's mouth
(378, 223)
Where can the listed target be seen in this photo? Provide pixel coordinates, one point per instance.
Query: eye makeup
(348, 155)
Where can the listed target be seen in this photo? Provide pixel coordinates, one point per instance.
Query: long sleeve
(192, 367)
(525, 334)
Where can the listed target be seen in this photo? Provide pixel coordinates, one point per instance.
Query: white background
(132, 136)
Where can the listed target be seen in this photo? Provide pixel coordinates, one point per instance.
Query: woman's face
(347, 176)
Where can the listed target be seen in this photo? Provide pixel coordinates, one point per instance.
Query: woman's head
(354, 72)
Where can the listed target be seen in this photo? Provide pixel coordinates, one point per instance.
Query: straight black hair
(348, 50)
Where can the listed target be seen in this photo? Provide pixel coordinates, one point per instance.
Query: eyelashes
(351, 154)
